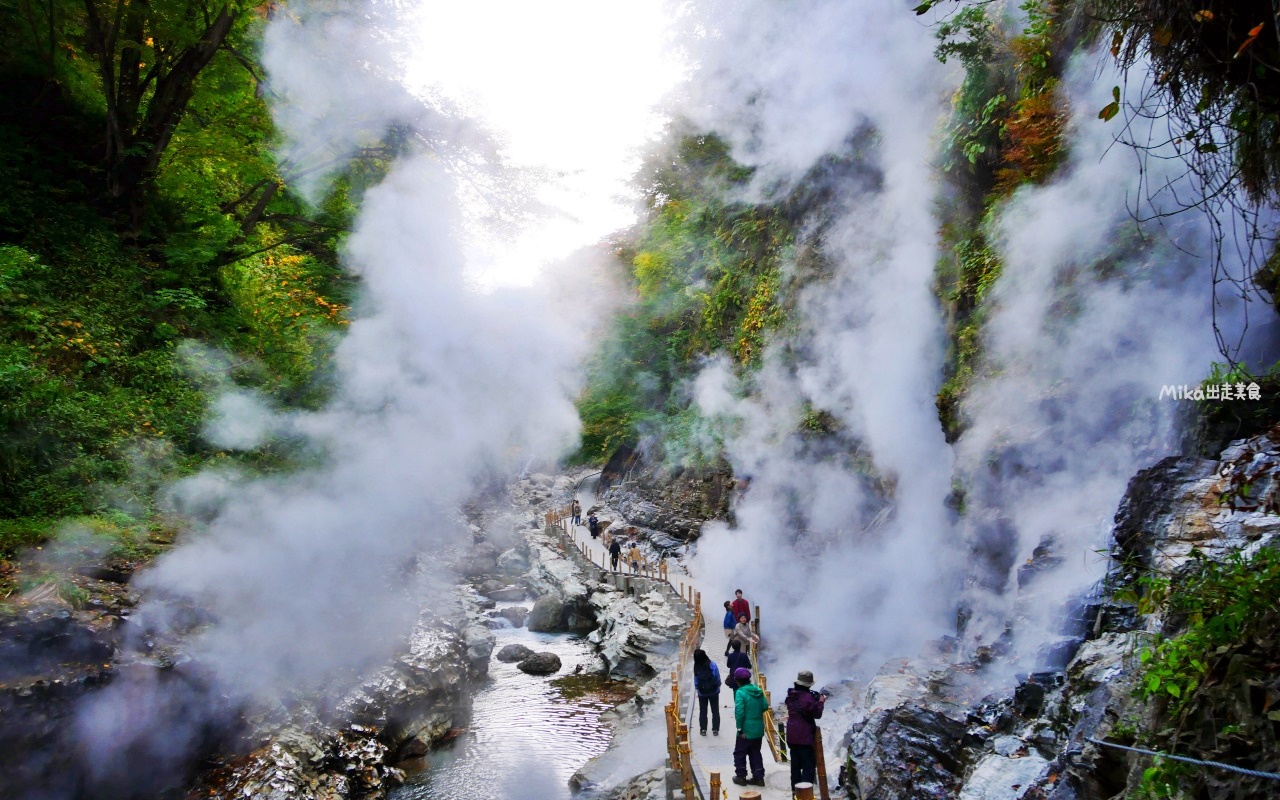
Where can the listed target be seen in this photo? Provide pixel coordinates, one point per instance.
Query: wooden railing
(679, 750)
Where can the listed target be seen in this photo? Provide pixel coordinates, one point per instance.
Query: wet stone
(540, 664)
(513, 652)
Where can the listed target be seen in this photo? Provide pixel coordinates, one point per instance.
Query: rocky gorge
(929, 728)
(361, 744)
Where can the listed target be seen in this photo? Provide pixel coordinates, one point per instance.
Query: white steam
(1089, 320)
(840, 575)
(296, 585)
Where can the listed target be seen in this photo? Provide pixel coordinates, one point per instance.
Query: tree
(149, 55)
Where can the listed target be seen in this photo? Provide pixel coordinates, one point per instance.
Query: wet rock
(546, 614)
(513, 652)
(513, 562)
(502, 592)
(482, 559)
(634, 632)
(516, 615)
(479, 642)
(675, 502)
(999, 777)
(540, 664)
(907, 752)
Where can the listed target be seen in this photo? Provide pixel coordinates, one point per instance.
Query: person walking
(749, 706)
(706, 682)
(743, 634)
(593, 525)
(576, 508)
(633, 555)
(740, 605)
(804, 708)
(730, 620)
(615, 553)
(735, 661)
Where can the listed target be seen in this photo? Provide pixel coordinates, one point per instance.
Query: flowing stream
(528, 733)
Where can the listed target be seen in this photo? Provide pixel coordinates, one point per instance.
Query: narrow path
(710, 753)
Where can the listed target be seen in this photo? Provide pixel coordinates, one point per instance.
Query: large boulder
(554, 613)
(513, 652)
(540, 664)
(547, 614)
(482, 559)
(516, 615)
(513, 562)
(907, 752)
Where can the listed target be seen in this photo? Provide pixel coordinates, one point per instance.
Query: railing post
(820, 762)
(686, 765)
(715, 786)
(804, 791)
(673, 750)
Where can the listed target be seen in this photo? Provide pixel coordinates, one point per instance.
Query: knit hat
(805, 679)
(742, 674)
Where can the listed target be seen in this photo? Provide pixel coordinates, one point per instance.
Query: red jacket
(740, 607)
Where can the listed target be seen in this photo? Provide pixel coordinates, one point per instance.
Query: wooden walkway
(710, 756)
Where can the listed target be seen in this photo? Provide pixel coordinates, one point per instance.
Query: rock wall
(927, 731)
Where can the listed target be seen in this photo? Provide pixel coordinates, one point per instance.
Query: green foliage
(1212, 674)
(707, 273)
(96, 408)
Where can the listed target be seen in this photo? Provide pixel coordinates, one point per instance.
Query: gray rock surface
(513, 652)
(540, 664)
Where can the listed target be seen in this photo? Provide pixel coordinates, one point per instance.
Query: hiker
(615, 553)
(743, 634)
(749, 706)
(730, 619)
(804, 707)
(576, 508)
(593, 525)
(736, 660)
(740, 605)
(633, 555)
(706, 682)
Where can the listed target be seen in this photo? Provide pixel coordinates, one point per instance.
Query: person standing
(593, 525)
(740, 605)
(615, 553)
(706, 682)
(749, 706)
(576, 508)
(743, 635)
(730, 619)
(804, 708)
(634, 556)
(735, 661)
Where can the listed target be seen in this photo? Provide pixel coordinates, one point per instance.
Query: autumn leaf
(1112, 108)
(1163, 36)
(1253, 35)
(1203, 15)
(1116, 41)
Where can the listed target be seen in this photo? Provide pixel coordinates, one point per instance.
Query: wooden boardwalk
(709, 754)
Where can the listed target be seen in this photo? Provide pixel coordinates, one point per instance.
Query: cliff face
(929, 730)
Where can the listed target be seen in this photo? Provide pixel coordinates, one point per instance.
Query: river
(528, 733)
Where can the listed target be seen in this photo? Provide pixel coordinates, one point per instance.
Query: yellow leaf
(1163, 36)
(1203, 15)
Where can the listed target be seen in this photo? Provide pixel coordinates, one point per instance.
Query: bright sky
(572, 87)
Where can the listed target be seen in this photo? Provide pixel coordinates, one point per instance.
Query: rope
(703, 767)
(1253, 773)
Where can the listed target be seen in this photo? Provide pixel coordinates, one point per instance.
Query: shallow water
(525, 739)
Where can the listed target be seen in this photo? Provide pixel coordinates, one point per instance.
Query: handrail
(679, 751)
(777, 743)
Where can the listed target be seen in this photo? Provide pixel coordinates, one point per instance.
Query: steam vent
(698, 400)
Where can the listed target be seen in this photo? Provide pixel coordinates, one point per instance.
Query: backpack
(707, 682)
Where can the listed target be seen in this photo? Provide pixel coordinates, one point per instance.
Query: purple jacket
(803, 707)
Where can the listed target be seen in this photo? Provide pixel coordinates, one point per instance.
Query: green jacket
(749, 706)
